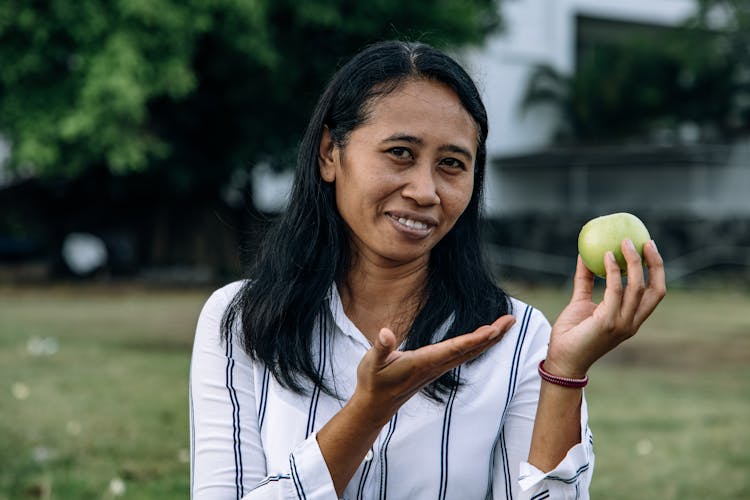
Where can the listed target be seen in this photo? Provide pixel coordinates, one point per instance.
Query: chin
(404, 256)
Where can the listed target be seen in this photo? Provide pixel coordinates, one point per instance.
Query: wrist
(559, 368)
(369, 413)
(567, 382)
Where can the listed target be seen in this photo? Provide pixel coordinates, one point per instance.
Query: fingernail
(629, 242)
(495, 334)
(654, 245)
(611, 257)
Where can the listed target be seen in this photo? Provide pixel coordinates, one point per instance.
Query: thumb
(384, 345)
(583, 282)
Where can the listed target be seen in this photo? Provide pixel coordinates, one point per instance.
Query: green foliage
(729, 23)
(622, 92)
(697, 74)
(189, 89)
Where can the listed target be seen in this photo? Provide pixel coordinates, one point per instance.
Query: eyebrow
(399, 137)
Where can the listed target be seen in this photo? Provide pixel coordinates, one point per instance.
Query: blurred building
(693, 194)
(549, 32)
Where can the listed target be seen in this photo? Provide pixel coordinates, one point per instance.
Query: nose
(421, 186)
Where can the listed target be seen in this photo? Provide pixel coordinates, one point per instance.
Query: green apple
(605, 233)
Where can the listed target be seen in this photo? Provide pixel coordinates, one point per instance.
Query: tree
(695, 76)
(134, 116)
(188, 91)
(729, 45)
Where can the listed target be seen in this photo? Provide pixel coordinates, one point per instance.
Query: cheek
(372, 188)
(347, 205)
(357, 194)
(457, 198)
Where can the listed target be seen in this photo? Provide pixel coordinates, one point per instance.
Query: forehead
(426, 109)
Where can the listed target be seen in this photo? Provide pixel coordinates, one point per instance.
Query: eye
(400, 153)
(453, 164)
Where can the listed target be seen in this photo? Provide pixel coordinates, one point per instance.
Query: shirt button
(368, 457)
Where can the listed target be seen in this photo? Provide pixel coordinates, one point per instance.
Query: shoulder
(531, 327)
(226, 293)
(210, 318)
(524, 312)
(220, 299)
(210, 346)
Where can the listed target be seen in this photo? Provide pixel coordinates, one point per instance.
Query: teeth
(412, 223)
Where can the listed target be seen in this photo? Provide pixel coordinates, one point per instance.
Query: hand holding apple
(585, 330)
(605, 234)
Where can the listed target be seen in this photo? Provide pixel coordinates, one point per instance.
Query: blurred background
(146, 145)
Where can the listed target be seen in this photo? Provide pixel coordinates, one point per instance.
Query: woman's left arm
(582, 334)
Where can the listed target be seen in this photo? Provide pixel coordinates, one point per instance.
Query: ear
(326, 161)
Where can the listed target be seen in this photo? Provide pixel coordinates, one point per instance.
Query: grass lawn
(93, 395)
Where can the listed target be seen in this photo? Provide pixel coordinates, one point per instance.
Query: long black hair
(307, 250)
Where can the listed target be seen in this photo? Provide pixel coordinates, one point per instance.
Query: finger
(384, 345)
(503, 324)
(657, 288)
(486, 335)
(437, 359)
(454, 351)
(612, 300)
(492, 333)
(655, 264)
(583, 282)
(636, 285)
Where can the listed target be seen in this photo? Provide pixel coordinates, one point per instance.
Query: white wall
(537, 32)
(543, 31)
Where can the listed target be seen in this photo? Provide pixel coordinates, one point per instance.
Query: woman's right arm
(386, 379)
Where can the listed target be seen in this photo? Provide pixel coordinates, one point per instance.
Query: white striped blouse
(253, 439)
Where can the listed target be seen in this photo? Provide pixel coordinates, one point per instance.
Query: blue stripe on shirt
(384, 458)
(506, 468)
(263, 398)
(313, 410)
(295, 478)
(574, 478)
(239, 488)
(541, 495)
(517, 356)
(446, 434)
(515, 364)
(363, 478)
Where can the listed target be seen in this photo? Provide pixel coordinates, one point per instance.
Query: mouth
(412, 225)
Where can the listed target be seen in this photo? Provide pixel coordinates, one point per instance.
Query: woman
(371, 355)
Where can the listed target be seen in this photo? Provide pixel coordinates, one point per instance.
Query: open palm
(585, 331)
(387, 377)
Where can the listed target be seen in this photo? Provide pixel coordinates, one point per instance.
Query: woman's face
(406, 175)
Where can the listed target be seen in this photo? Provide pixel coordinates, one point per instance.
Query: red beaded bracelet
(576, 383)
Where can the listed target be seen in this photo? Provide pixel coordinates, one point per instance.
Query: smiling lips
(414, 226)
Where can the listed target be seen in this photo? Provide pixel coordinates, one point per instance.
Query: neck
(377, 295)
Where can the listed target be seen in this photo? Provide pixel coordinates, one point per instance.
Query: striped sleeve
(227, 460)
(572, 476)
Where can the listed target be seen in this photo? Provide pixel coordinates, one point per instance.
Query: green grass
(111, 403)
(669, 409)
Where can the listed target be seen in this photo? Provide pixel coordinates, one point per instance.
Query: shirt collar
(342, 321)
